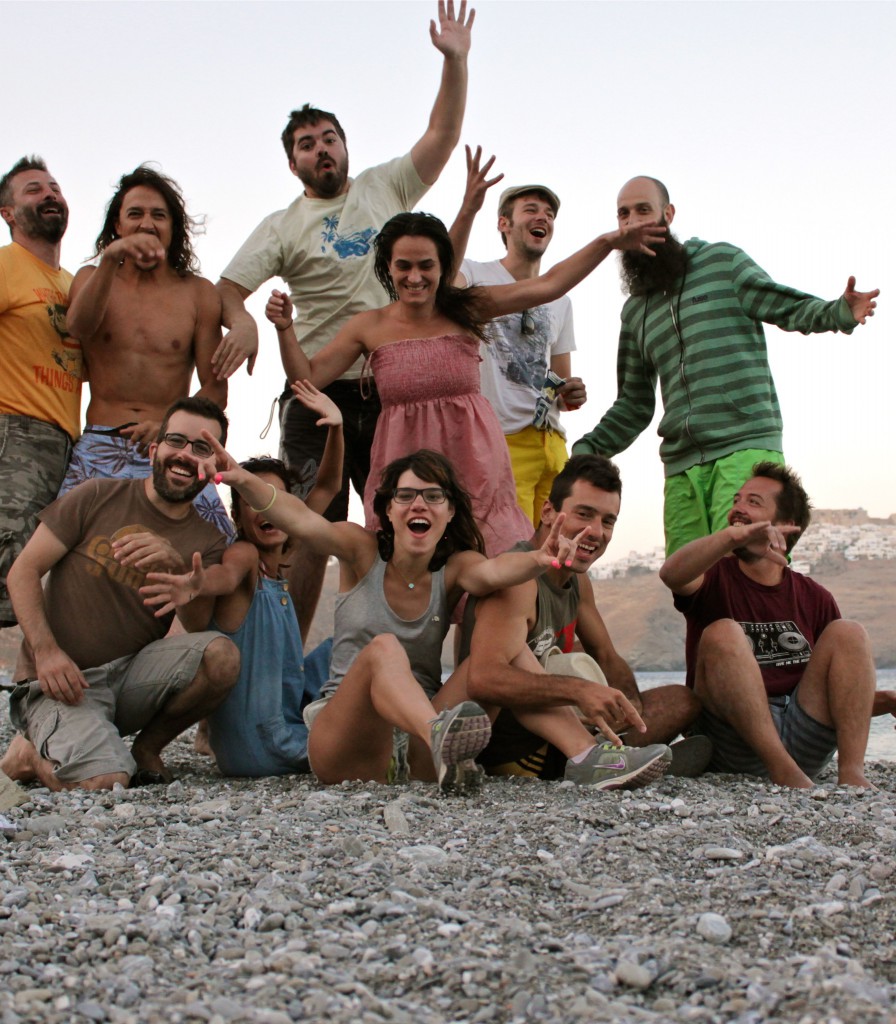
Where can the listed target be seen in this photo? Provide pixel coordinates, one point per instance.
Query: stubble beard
(38, 225)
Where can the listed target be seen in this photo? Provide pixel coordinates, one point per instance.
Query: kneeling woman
(396, 594)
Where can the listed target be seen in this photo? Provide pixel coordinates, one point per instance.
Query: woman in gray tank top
(397, 590)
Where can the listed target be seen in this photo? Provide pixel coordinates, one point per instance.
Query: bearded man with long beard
(693, 321)
(96, 663)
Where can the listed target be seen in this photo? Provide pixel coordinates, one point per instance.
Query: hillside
(647, 630)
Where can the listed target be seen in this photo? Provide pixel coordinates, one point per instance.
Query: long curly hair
(458, 304)
(181, 256)
(461, 533)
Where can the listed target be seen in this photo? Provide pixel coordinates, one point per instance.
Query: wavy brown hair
(461, 533)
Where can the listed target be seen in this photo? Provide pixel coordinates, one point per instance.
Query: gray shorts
(809, 743)
(33, 459)
(85, 740)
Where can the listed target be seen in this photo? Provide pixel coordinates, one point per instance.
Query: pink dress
(429, 389)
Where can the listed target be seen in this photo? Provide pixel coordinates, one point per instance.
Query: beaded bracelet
(269, 504)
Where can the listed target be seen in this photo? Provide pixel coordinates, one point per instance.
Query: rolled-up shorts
(810, 743)
(84, 740)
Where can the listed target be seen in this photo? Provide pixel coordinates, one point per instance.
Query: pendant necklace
(404, 578)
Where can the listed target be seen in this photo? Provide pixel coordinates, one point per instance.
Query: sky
(770, 123)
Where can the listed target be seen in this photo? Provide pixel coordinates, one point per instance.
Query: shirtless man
(145, 320)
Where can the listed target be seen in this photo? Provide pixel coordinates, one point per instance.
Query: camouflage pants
(33, 459)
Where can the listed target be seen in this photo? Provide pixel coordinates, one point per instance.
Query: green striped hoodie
(705, 343)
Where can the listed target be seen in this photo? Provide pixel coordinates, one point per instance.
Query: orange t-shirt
(42, 365)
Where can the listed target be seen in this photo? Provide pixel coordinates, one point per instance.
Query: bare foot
(854, 777)
(794, 777)
(200, 742)
(19, 762)
(148, 760)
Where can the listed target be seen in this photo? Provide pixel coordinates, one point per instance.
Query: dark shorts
(85, 740)
(809, 743)
(33, 459)
(302, 441)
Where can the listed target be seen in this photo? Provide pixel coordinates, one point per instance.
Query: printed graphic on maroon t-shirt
(777, 644)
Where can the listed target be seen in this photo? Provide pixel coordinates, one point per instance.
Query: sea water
(881, 741)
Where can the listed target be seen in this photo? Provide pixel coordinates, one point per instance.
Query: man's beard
(326, 184)
(37, 224)
(174, 495)
(642, 274)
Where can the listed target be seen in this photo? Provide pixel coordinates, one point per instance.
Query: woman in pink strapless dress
(423, 350)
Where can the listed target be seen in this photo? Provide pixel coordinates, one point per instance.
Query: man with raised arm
(694, 321)
(146, 321)
(526, 367)
(97, 662)
(549, 614)
(322, 246)
(785, 682)
(40, 383)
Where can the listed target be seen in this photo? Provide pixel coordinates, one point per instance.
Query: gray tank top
(363, 613)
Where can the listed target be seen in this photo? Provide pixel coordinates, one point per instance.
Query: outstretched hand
(640, 238)
(171, 591)
(861, 304)
(317, 401)
(754, 535)
(477, 182)
(453, 36)
(558, 550)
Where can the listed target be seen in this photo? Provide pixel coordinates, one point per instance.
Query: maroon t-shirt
(782, 622)
(93, 605)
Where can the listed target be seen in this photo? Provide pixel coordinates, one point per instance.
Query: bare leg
(837, 689)
(352, 735)
(22, 763)
(730, 686)
(667, 711)
(216, 676)
(201, 742)
(306, 580)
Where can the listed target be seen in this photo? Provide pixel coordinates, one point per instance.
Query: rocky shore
(716, 900)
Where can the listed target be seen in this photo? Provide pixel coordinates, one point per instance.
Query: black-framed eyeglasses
(527, 323)
(198, 447)
(431, 495)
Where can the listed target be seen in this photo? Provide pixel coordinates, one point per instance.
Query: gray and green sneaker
(458, 735)
(610, 767)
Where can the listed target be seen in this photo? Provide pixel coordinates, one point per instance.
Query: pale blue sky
(769, 122)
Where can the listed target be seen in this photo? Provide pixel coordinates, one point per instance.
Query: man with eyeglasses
(146, 320)
(526, 366)
(97, 663)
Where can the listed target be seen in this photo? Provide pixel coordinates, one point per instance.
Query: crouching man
(98, 664)
(784, 680)
(539, 732)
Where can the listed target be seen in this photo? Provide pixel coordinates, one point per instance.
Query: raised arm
(683, 571)
(452, 39)
(861, 304)
(59, 677)
(92, 286)
(240, 343)
(497, 300)
(478, 183)
(330, 362)
(349, 542)
(329, 474)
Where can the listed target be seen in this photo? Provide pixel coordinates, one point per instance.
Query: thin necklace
(404, 578)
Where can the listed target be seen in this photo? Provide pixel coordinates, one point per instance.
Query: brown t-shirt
(93, 605)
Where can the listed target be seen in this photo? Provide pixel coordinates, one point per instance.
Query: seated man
(784, 680)
(548, 613)
(98, 667)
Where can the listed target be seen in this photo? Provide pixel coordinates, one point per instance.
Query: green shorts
(697, 501)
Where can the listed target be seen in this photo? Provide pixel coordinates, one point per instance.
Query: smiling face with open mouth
(595, 510)
(175, 471)
(418, 524)
(530, 226)
(755, 502)
(255, 527)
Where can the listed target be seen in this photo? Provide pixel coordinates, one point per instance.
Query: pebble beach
(719, 899)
